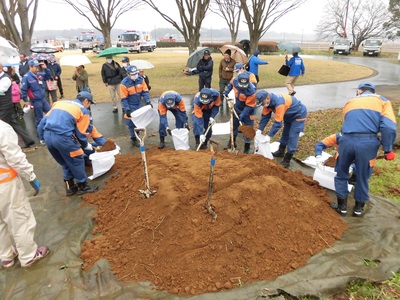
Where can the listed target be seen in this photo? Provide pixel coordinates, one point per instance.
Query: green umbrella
(112, 51)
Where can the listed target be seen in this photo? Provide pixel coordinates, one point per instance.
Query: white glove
(258, 132)
(267, 138)
(320, 161)
(89, 147)
(202, 138)
(211, 121)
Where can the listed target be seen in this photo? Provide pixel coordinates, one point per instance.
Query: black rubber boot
(353, 179)
(197, 140)
(162, 142)
(246, 149)
(229, 146)
(135, 142)
(204, 146)
(84, 188)
(358, 209)
(88, 162)
(70, 187)
(280, 152)
(286, 160)
(340, 206)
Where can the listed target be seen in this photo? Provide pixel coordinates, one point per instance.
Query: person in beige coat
(17, 222)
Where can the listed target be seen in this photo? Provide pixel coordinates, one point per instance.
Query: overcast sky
(55, 15)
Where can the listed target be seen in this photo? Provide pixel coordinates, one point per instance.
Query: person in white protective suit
(17, 222)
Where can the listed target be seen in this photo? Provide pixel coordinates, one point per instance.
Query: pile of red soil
(270, 221)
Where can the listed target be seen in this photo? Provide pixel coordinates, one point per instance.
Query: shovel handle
(213, 144)
(234, 111)
(201, 143)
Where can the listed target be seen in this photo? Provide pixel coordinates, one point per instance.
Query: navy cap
(85, 95)
(205, 96)
(237, 67)
(132, 70)
(125, 59)
(243, 80)
(367, 85)
(34, 63)
(261, 96)
(206, 52)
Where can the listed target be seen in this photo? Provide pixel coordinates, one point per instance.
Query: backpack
(247, 65)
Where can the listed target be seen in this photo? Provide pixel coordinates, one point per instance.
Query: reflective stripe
(7, 175)
(76, 153)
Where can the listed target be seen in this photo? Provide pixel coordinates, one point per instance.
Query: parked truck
(86, 41)
(136, 41)
(342, 46)
(372, 47)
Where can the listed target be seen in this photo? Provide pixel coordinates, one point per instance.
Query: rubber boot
(246, 149)
(340, 206)
(358, 209)
(229, 146)
(84, 188)
(135, 142)
(88, 162)
(286, 160)
(162, 142)
(280, 152)
(70, 187)
(197, 140)
(353, 179)
(204, 146)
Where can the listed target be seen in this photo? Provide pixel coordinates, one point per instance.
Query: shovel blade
(248, 131)
(147, 193)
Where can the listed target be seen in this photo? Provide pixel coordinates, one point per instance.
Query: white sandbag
(221, 128)
(325, 176)
(143, 116)
(102, 162)
(262, 147)
(180, 137)
(311, 161)
(274, 146)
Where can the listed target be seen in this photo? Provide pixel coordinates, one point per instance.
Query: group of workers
(66, 127)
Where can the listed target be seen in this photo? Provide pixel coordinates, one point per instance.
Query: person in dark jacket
(226, 67)
(112, 75)
(23, 65)
(204, 69)
(56, 70)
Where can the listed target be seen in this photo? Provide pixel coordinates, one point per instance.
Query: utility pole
(345, 20)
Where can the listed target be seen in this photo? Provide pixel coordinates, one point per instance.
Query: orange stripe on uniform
(76, 153)
(7, 175)
(83, 123)
(369, 103)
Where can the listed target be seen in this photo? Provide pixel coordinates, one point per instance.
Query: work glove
(258, 132)
(390, 155)
(36, 186)
(89, 147)
(211, 121)
(42, 142)
(149, 103)
(169, 131)
(226, 94)
(186, 125)
(320, 161)
(128, 113)
(202, 138)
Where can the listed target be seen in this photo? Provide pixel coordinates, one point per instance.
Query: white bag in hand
(262, 146)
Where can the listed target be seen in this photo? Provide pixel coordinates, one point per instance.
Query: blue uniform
(364, 116)
(131, 98)
(34, 87)
(296, 66)
(64, 131)
(202, 112)
(178, 110)
(254, 61)
(290, 113)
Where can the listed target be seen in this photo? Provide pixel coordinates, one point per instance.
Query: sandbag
(325, 176)
(102, 162)
(180, 137)
(262, 147)
(143, 116)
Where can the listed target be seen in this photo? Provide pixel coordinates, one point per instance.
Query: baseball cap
(33, 63)
(205, 96)
(85, 95)
(125, 59)
(206, 52)
(261, 96)
(238, 66)
(243, 80)
(169, 101)
(367, 85)
(132, 70)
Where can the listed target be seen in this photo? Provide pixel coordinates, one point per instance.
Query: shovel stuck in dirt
(201, 143)
(247, 130)
(210, 183)
(147, 192)
(232, 149)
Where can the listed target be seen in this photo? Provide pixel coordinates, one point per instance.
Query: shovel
(247, 130)
(210, 183)
(201, 143)
(140, 134)
(232, 149)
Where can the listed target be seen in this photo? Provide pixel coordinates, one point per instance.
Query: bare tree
(16, 11)
(393, 24)
(192, 14)
(260, 15)
(365, 20)
(230, 11)
(105, 15)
